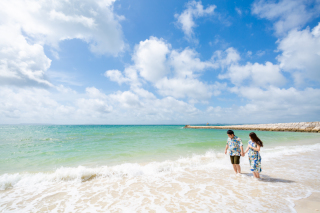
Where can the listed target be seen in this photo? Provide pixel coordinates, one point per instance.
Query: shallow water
(145, 168)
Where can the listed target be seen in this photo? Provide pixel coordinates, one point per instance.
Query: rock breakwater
(291, 127)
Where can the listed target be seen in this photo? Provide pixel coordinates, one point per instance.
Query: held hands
(243, 154)
(225, 151)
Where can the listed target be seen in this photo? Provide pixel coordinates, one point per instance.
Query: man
(234, 144)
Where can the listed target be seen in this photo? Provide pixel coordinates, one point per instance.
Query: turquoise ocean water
(37, 148)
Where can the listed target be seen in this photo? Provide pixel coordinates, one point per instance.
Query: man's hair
(230, 132)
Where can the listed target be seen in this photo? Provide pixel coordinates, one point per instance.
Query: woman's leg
(257, 174)
(254, 174)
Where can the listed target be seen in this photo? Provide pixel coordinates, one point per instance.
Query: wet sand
(310, 204)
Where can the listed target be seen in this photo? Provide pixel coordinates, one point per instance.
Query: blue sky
(159, 62)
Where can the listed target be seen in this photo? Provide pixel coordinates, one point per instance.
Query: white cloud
(36, 105)
(287, 14)
(93, 107)
(172, 72)
(301, 54)
(150, 58)
(29, 105)
(142, 92)
(270, 105)
(21, 63)
(62, 77)
(261, 53)
(184, 87)
(255, 74)
(187, 64)
(286, 104)
(150, 62)
(116, 75)
(26, 26)
(139, 105)
(238, 11)
(226, 58)
(65, 106)
(194, 10)
(261, 75)
(50, 22)
(127, 99)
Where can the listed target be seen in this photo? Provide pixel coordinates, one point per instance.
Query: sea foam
(209, 160)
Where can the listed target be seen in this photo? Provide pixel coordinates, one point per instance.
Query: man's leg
(237, 163)
(235, 168)
(233, 164)
(238, 168)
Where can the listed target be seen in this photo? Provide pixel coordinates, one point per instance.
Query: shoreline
(308, 204)
(288, 127)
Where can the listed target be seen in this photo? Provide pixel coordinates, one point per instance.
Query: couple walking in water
(235, 147)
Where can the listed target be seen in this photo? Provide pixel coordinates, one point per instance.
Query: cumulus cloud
(194, 10)
(50, 22)
(262, 75)
(300, 54)
(21, 63)
(269, 105)
(116, 75)
(261, 85)
(65, 106)
(150, 58)
(127, 99)
(225, 58)
(172, 72)
(181, 87)
(279, 103)
(30, 105)
(187, 63)
(286, 14)
(26, 26)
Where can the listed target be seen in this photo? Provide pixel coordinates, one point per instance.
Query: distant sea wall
(291, 127)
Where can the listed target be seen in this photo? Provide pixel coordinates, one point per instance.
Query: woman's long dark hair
(255, 139)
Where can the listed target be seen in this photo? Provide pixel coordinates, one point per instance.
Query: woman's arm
(255, 149)
(245, 152)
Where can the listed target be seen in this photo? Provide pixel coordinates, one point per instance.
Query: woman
(254, 156)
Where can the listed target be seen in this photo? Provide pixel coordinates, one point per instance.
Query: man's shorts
(235, 159)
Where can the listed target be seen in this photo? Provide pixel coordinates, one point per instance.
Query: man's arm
(241, 147)
(225, 151)
(242, 153)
